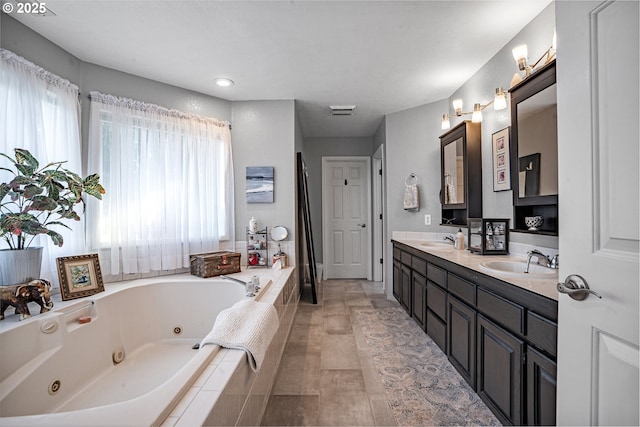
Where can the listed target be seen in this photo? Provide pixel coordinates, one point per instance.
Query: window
(169, 182)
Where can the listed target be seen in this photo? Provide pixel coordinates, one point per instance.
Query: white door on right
(598, 139)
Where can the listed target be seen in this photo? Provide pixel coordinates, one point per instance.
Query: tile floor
(328, 375)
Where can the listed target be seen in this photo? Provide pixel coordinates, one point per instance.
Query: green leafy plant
(38, 198)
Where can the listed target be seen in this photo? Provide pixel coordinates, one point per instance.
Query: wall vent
(342, 110)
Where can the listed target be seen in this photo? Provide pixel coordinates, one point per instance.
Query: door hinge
(380, 216)
(381, 262)
(345, 182)
(379, 171)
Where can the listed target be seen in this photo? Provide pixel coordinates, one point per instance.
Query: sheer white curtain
(40, 112)
(169, 182)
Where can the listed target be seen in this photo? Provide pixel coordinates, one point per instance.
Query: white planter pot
(19, 266)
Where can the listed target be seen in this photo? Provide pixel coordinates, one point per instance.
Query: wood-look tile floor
(328, 376)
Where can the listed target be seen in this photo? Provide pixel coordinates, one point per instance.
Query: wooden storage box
(214, 263)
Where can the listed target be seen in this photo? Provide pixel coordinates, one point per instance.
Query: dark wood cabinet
(502, 339)
(500, 371)
(461, 322)
(541, 389)
(461, 174)
(461, 335)
(419, 299)
(406, 288)
(534, 151)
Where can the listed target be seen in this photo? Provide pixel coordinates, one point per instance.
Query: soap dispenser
(459, 240)
(253, 225)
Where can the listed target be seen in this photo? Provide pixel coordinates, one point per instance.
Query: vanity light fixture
(499, 103)
(223, 82)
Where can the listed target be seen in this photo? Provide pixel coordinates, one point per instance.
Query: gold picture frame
(80, 276)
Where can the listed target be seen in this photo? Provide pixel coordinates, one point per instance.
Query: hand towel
(411, 201)
(247, 325)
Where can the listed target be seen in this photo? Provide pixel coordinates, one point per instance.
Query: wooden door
(598, 139)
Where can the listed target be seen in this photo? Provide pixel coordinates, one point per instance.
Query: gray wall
(315, 149)
(264, 135)
(412, 142)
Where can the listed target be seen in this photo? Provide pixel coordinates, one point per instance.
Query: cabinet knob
(576, 287)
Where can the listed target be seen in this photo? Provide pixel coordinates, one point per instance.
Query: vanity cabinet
(502, 339)
(534, 151)
(461, 176)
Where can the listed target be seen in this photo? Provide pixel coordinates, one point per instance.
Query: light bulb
(445, 122)
(223, 82)
(520, 55)
(457, 106)
(500, 100)
(476, 117)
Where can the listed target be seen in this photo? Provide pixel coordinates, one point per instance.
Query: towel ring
(412, 179)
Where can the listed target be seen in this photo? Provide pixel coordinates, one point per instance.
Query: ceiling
(382, 56)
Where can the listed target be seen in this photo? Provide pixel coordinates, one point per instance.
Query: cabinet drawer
(502, 311)
(542, 332)
(437, 275)
(466, 291)
(437, 300)
(419, 265)
(437, 330)
(396, 253)
(405, 258)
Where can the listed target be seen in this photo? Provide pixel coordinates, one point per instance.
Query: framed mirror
(534, 151)
(461, 174)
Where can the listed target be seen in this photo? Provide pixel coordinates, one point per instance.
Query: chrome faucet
(553, 262)
(449, 239)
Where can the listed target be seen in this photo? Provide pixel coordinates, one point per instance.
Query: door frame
(378, 210)
(326, 162)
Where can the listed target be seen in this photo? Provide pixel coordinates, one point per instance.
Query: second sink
(516, 268)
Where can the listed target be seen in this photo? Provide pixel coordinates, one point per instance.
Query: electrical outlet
(427, 219)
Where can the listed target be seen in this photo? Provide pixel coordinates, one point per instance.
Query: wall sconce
(520, 54)
(499, 103)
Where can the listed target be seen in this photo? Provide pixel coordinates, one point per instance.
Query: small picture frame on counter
(489, 236)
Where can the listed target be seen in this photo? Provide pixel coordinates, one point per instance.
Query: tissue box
(214, 263)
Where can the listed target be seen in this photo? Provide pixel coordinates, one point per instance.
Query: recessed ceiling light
(224, 82)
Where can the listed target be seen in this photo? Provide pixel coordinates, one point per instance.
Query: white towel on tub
(247, 325)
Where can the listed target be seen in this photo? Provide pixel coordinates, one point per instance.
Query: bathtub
(130, 365)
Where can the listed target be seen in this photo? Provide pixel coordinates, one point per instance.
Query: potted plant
(34, 200)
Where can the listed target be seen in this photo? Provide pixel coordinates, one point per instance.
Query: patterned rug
(421, 385)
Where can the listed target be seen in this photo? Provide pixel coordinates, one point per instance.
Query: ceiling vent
(342, 110)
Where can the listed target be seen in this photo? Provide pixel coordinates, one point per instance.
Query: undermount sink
(516, 268)
(432, 244)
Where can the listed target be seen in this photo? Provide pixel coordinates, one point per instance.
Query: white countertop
(542, 286)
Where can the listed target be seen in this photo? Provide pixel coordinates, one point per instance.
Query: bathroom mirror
(534, 150)
(453, 172)
(538, 144)
(279, 233)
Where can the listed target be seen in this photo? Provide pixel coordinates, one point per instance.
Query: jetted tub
(129, 365)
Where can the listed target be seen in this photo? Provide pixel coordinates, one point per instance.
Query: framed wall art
(259, 184)
(80, 276)
(501, 162)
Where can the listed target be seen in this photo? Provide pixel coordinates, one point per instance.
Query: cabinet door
(541, 389)
(405, 275)
(397, 281)
(461, 333)
(500, 371)
(419, 300)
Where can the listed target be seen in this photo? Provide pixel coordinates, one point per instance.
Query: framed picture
(259, 184)
(501, 161)
(80, 276)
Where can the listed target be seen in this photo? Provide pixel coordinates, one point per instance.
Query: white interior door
(346, 213)
(597, 77)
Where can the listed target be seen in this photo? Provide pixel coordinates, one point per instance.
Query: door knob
(362, 225)
(576, 287)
